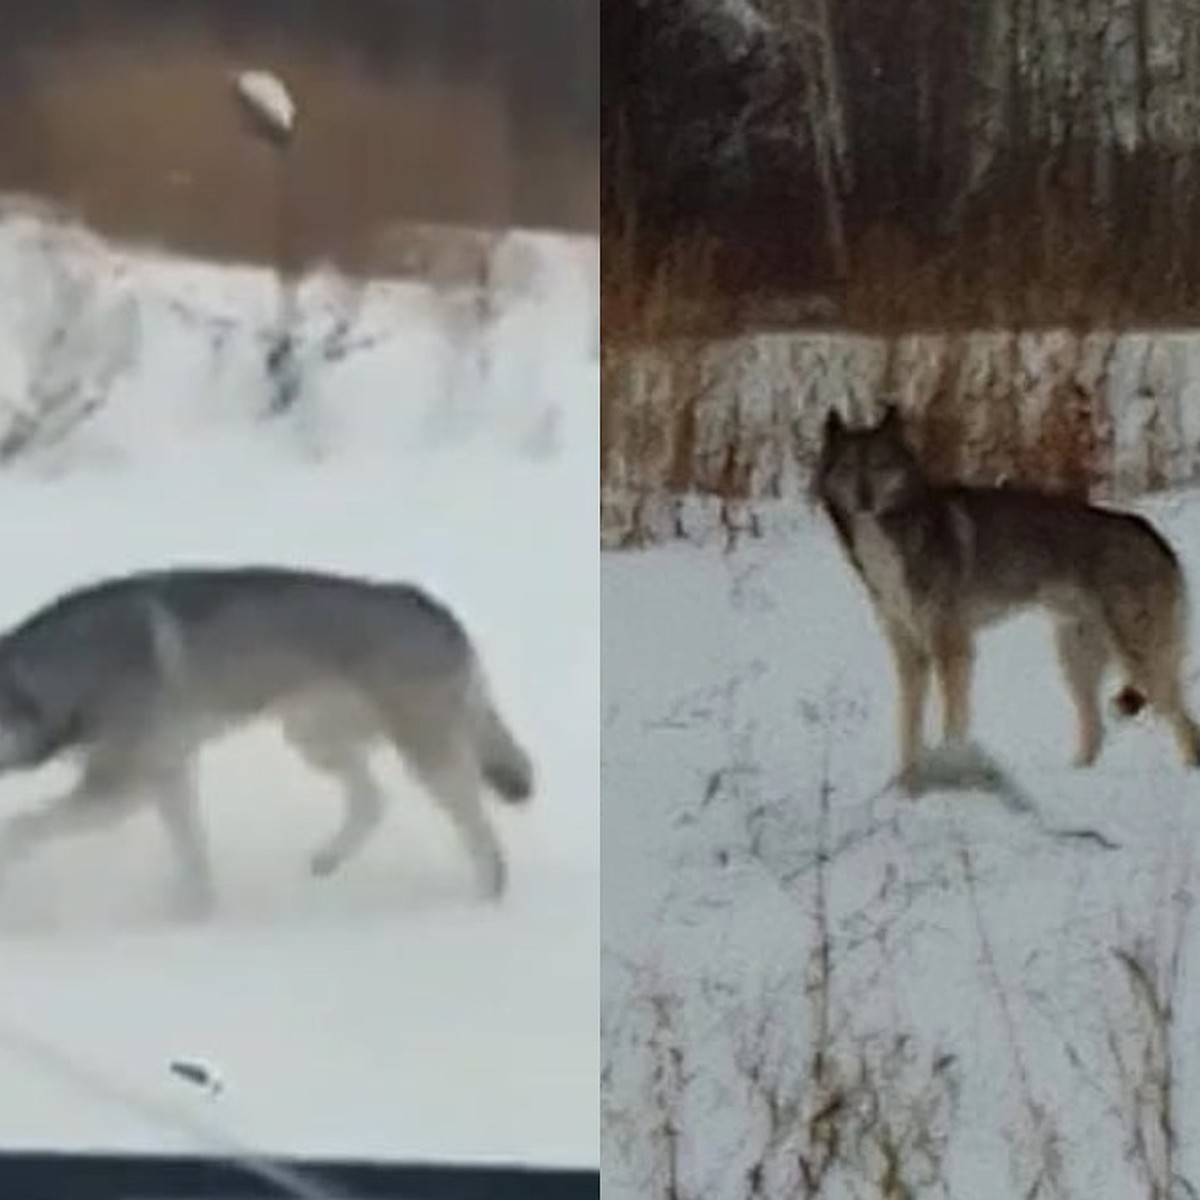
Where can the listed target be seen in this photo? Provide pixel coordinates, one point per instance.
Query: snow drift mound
(131, 354)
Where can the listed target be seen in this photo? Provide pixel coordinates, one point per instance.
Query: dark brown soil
(122, 110)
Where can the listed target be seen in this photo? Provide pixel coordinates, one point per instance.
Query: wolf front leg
(954, 660)
(912, 661)
(104, 795)
(80, 810)
(179, 807)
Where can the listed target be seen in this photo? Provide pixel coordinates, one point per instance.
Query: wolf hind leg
(1148, 631)
(1165, 695)
(179, 808)
(450, 770)
(431, 725)
(329, 745)
(1083, 655)
(954, 661)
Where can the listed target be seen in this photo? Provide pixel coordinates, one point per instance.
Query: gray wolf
(943, 561)
(132, 675)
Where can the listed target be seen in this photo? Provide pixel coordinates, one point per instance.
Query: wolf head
(865, 471)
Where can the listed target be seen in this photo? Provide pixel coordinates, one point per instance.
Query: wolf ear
(889, 422)
(834, 424)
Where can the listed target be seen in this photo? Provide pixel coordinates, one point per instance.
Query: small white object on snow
(269, 101)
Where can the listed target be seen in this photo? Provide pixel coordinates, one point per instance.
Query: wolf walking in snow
(940, 562)
(134, 674)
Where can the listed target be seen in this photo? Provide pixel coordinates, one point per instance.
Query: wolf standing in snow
(940, 562)
(135, 674)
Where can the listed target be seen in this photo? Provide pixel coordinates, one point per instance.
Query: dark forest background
(895, 164)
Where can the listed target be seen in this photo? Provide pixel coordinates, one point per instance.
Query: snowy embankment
(445, 438)
(1129, 400)
(813, 986)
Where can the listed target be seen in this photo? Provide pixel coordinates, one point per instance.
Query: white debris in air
(270, 100)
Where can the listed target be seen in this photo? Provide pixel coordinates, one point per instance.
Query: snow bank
(814, 986)
(113, 353)
(1131, 398)
(446, 437)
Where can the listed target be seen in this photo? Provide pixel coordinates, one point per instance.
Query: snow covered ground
(383, 1011)
(812, 986)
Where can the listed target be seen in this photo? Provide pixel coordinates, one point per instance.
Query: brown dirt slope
(122, 111)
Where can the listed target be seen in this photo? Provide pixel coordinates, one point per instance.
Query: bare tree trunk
(807, 29)
(831, 143)
(824, 153)
(993, 103)
(1141, 74)
(831, 92)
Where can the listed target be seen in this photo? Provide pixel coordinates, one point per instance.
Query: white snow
(270, 98)
(985, 1018)
(384, 1011)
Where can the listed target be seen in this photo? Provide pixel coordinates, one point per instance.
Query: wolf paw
(495, 882)
(324, 863)
(190, 906)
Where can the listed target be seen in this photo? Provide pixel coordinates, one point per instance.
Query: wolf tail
(1171, 643)
(1129, 701)
(506, 766)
